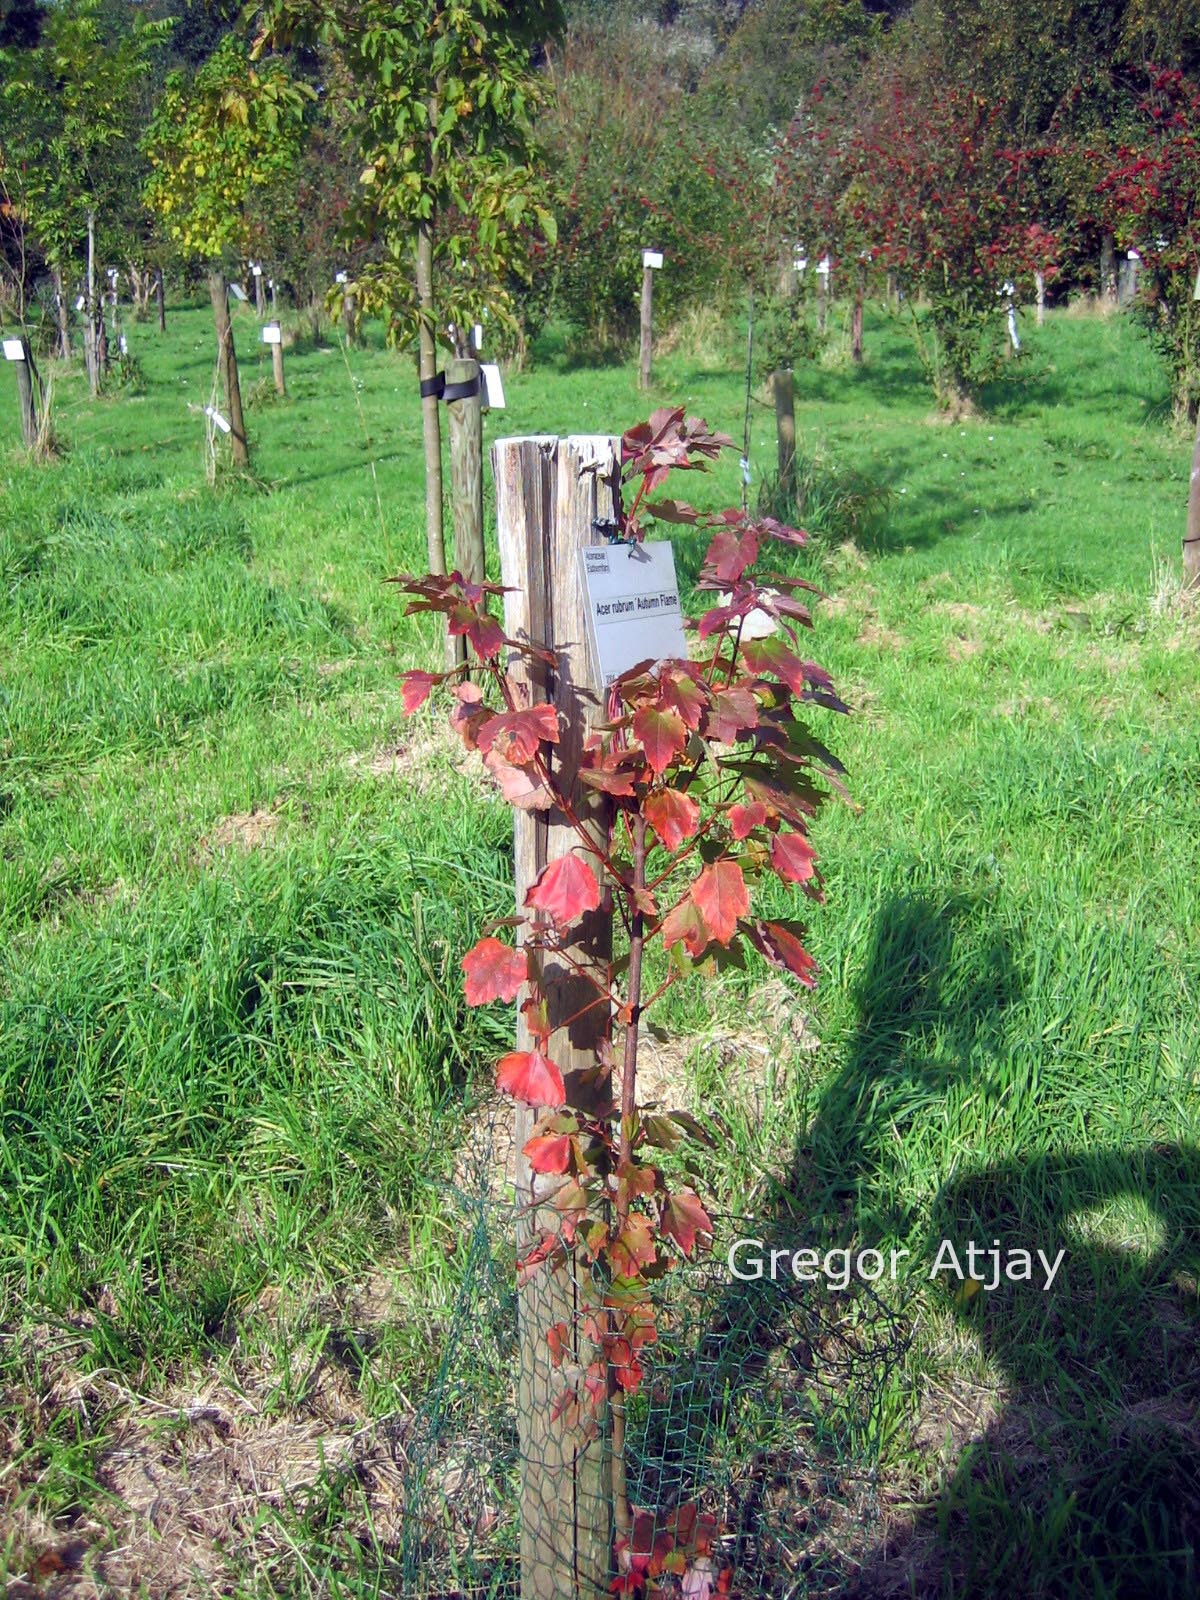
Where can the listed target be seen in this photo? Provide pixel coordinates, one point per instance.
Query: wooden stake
(161, 296)
(1039, 279)
(546, 504)
(277, 368)
(785, 427)
(25, 400)
(260, 295)
(1191, 537)
(466, 476)
(856, 316)
(647, 327)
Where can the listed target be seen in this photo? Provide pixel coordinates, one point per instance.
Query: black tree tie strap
(433, 388)
(462, 391)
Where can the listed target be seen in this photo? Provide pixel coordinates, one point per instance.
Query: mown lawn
(237, 1079)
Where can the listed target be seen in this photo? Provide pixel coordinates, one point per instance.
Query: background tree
(219, 136)
(440, 108)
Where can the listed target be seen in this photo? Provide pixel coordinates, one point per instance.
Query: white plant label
(493, 388)
(237, 291)
(124, 345)
(652, 258)
(256, 270)
(14, 350)
(477, 336)
(272, 333)
(341, 277)
(1196, 290)
(633, 605)
(80, 303)
(218, 419)
(823, 267)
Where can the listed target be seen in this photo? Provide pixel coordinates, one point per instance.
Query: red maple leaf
(548, 1152)
(720, 896)
(415, 687)
(683, 1218)
(565, 890)
(662, 735)
(673, 816)
(684, 925)
(792, 857)
(495, 971)
(744, 819)
(516, 736)
(532, 1078)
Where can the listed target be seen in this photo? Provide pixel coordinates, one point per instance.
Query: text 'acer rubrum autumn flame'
(714, 776)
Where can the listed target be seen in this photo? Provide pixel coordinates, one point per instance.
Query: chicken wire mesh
(751, 1443)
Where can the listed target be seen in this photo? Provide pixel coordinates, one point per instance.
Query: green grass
(233, 1053)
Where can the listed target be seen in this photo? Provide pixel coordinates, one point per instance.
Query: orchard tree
(938, 193)
(1151, 194)
(441, 97)
(216, 139)
(67, 113)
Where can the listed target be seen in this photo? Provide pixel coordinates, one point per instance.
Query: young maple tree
(714, 776)
(939, 194)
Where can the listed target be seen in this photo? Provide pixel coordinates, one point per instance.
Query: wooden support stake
(161, 296)
(1191, 537)
(25, 399)
(647, 327)
(1039, 279)
(227, 361)
(856, 316)
(466, 476)
(260, 295)
(783, 384)
(277, 368)
(546, 504)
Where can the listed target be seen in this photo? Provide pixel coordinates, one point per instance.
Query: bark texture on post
(95, 321)
(1039, 279)
(63, 316)
(546, 504)
(277, 368)
(1191, 538)
(260, 295)
(647, 340)
(161, 296)
(227, 362)
(29, 416)
(785, 427)
(856, 318)
(1108, 269)
(466, 476)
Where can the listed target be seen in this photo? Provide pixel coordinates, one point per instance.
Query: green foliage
(216, 138)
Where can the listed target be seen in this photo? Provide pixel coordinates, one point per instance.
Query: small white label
(799, 262)
(341, 278)
(1196, 290)
(124, 346)
(477, 336)
(14, 350)
(256, 269)
(652, 258)
(493, 388)
(823, 267)
(113, 275)
(237, 291)
(1134, 256)
(80, 303)
(218, 419)
(633, 605)
(272, 333)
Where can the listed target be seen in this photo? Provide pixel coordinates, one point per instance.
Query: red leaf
(729, 556)
(556, 1338)
(673, 816)
(662, 735)
(519, 787)
(721, 898)
(684, 925)
(531, 1077)
(733, 711)
(682, 689)
(633, 1248)
(744, 819)
(548, 1152)
(565, 890)
(516, 736)
(683, 1217)
(772, 655)
(781, 945)
(495, 971)
(415, 687)
(793, 857)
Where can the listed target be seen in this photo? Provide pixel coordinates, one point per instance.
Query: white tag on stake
(652, 258)
(493, 387)
(632, 604)
(272, 333)
(14, 350)
(218, 419)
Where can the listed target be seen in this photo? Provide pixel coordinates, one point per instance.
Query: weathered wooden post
(1108, 269)
(227, 363)
(464, 406)
(856, 316)
(651, 261)
(272, 335)
(18, 352)
(260, 289)
(824, 290)
(549, 495)
(783, 384)
(160, 296)
(1039, 279)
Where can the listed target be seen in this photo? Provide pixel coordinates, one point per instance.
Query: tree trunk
(785, 428)
(856, 318)
(63, 316)
(1108, 269)
(160, 295)
(1191, 538)
(91, 338)
(227, 362)
(465, 417)
(429, 405)
(260, 294)
(647, 328)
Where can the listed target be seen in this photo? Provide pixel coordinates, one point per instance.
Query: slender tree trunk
(63, 316)
(260, 295)
(227, 361)
(856, 318)
(1191, 538)
(429, 403)
(1108, 269)
(160, 294)
(91, 337)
